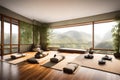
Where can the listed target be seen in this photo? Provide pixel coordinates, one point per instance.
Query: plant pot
(117, 55)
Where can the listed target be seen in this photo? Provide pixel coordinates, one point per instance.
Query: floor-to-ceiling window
(103, 35)
(15, 37)
(72, 37)
(10, 35)
(6, 35)
(97, 35)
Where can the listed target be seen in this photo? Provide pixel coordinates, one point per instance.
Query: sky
(100, 29)
(7, 28)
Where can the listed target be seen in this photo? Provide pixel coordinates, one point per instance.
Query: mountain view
(75, 39)
(105, 42)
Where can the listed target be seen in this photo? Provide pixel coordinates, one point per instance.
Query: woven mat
(112, 66)
(60, 65)
(19, 60)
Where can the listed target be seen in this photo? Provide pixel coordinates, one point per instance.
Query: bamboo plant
(116, 37)
(44, 36)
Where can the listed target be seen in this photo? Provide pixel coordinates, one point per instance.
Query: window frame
(93, 32)
(11, 21)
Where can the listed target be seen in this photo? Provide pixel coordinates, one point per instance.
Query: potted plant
(116, 37)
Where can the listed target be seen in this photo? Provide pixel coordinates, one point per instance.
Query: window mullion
(93, 34)
(10, 35)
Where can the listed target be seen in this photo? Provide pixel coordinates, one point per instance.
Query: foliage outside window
(26, 33)
(36, 30)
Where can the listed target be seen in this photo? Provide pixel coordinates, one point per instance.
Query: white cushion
(37, 49)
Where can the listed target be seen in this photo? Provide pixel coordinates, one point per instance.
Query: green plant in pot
(116, 37)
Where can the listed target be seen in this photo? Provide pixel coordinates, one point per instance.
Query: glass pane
(72, 37)
(14, 34)
(14, 50)
(103, 35)
(14, 46)
(6, 46)
(6, 33)
(6, 51)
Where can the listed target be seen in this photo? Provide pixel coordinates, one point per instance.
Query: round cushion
(32, 60)
(101, 62)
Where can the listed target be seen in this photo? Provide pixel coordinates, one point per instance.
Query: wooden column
(10, 35)
(2, 36)
(18, 36)
(93, 34)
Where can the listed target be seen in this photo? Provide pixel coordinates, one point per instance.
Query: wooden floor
(26, 71)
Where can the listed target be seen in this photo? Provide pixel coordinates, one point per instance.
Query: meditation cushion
(37, 56)
(32, 60)
(89, 56)
(57, 58)
(101, 62)
(107, 58)
(17, 55)
(36, 49)
(70, 68)
(40, 55)
(44, 54)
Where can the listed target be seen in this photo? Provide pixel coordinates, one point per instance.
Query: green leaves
(44, 36)
(26, 33)
(116, 35)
